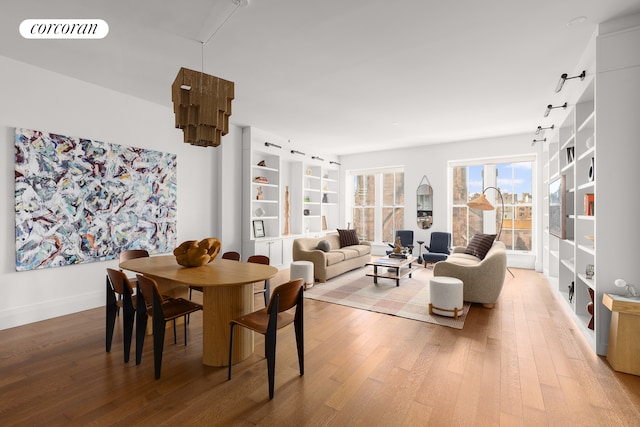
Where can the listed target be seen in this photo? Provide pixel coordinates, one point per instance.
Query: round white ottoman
(302, 270)
(446, 296)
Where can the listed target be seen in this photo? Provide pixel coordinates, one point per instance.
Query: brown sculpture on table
(398, 247)
(195, 254)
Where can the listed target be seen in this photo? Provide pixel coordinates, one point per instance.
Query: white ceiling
(347, 76)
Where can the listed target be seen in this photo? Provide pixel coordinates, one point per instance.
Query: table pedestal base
(221, 304)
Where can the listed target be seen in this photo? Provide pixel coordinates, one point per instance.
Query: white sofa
(337, 261)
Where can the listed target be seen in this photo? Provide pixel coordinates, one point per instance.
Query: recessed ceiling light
(577, 21)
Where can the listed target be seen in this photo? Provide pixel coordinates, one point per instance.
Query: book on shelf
(261, 179)
(589, 204)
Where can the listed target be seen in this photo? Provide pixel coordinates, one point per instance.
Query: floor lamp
(481, 203)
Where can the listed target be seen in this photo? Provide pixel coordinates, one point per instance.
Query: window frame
(379, 205)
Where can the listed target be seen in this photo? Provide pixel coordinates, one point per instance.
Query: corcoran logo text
(64, 29)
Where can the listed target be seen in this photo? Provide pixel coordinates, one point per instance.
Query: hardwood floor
(520, 363)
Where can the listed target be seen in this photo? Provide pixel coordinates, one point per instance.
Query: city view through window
(515, 183)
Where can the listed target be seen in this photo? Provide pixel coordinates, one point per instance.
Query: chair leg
(270, 347)
(175, 336)
(158, 344)
(270, 344)
(128, 317)
(230, 348)
(298, 324)
(185, 331)
(267, 292)
(110, 326)
(141, 329)
(111, 313)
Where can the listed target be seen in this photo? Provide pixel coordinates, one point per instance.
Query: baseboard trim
(26, 314)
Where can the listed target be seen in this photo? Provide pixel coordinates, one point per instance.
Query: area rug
(409, 300)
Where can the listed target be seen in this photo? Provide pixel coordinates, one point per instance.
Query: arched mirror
(424, 199)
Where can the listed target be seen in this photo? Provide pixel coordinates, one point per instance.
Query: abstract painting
(79, 200)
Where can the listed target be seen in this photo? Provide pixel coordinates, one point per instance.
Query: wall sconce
(271, 144)
(538, 140)
(564, 78)
(551, 107)
(297, 152)
(540, 129)
(331, 162)
(317, 158)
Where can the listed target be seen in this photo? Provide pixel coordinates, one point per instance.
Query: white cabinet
(271, 248)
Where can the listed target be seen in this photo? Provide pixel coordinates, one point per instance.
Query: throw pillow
(348, 238)
(324, 246)
(480, 245)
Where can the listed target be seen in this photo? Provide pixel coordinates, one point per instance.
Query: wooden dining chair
(120, 295)
(151, 302)
(133, 254)
(268, 320)
(233, 256)
(126, 256)
(262, 259)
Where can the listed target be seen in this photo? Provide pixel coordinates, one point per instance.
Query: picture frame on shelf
(571, 151)
(557, 207)
(258, 228)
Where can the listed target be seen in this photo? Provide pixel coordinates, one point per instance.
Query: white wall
(38, 99)
(432, 161)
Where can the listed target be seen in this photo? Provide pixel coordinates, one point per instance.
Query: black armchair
(439, 247)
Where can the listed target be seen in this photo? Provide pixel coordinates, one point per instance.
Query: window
(378, 203)
(514, 179)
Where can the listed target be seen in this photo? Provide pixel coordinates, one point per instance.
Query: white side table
(445, 294)
(302, 270)
(624, 346)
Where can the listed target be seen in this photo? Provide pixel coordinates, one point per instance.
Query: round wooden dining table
(228, 293)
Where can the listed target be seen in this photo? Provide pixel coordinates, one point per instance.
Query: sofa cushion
(334, 257)
(480, 245)
(348, 237)
(348, 252)
(324, 246)
(464, 259)
(362, 249)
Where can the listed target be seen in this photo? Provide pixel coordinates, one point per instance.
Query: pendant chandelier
(202, 106)
(202, 102)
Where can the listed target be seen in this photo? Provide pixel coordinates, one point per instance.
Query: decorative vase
(195, 254)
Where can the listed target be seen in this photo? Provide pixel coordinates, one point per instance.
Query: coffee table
(395, 268)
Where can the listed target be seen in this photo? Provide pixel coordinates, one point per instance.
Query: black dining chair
(151, 303)
(268, 320)
(120, 295)
(266, 290)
